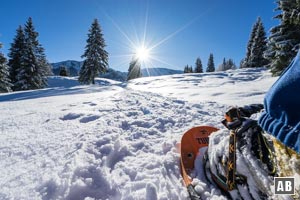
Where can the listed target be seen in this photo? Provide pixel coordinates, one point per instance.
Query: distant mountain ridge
(73, 68)
(68, 63)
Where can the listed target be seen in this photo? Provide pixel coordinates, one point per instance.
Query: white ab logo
(287, 188)
(285, 185)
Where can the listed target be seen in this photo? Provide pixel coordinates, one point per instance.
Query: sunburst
(142, 54)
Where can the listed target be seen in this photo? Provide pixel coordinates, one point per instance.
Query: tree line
(274, 52)
(226, 65)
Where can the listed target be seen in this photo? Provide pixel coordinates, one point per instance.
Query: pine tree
(259, 46)
(210, 64)
(191, 69)
(245, 63)
(186, 69)
(134, 70)
(33, 66)
(5, 82)
(63, 71)
(28, 76)
(96, 58)
(256, 47)
(284, 40)
(199, 67)
(16, 56)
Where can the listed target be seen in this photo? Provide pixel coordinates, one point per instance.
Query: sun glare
(140, 48)
(142, 54)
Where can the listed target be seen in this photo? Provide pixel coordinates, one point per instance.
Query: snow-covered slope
(233, 87)
(112, 140)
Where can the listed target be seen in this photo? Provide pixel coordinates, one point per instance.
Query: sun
(142, 53)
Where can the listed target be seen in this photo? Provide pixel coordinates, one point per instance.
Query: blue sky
(177, 31)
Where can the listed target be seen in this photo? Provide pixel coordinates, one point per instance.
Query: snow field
(112, 140)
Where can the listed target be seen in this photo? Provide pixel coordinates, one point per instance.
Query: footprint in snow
(90, 103)
(71, 116)
(89, 118)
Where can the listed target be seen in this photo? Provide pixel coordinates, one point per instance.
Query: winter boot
(241, 163)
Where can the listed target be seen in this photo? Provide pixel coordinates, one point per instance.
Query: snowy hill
(233, 87)
(112, 140)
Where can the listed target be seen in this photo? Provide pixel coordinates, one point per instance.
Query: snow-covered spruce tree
(210, 64)
(198, 67)
(259, 46)
(96, 58)
(134, 70)
(5, 82)
(283, 43)
(34, 68)
(245, 63)
(256, 47)
(16, 56)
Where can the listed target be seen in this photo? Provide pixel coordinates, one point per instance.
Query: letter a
(280, 186)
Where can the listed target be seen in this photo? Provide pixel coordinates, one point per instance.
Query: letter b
(288, 186)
